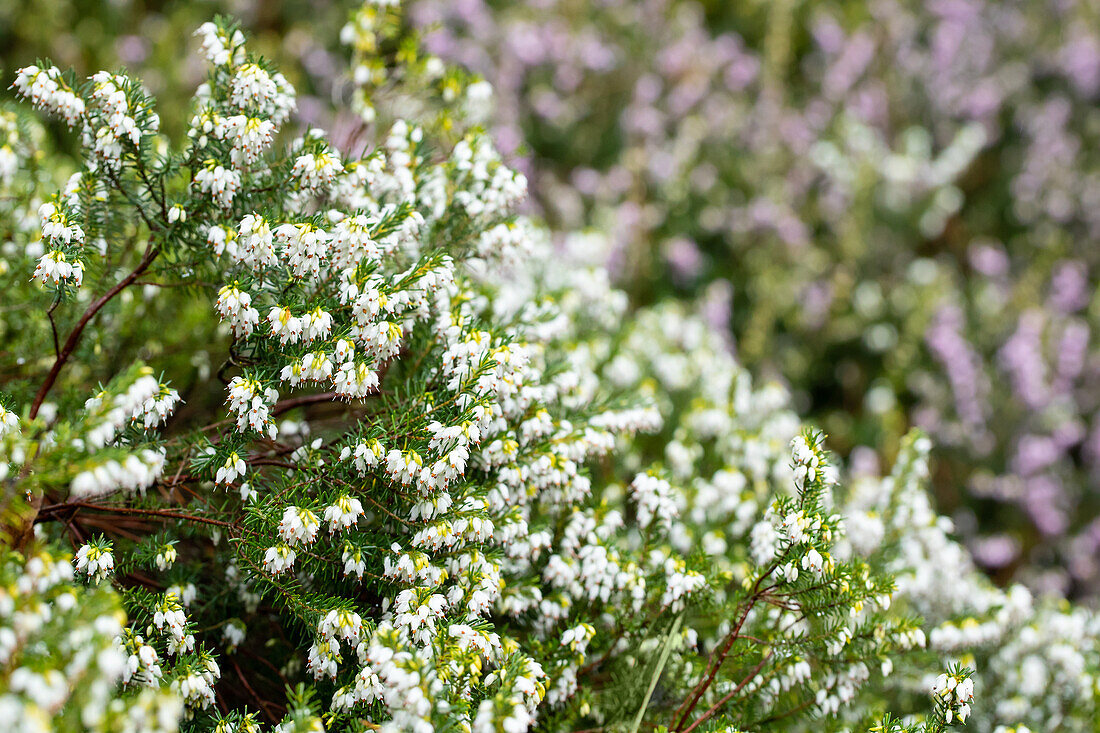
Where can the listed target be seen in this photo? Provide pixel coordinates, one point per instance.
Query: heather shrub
(343, 441)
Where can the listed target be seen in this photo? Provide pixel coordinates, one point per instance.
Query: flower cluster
(95, 560)
(48, 90)
(61, 657)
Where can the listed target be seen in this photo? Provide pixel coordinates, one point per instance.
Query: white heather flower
(316, 172)
(340, 623)
(233, 467)
(9, 421)
(316, 324)
(136, 472)
(95, 560)
(419, 615)
(219, 182)
(323, 659)
(251, 87)
(219, 47)
(56, 226)
(411, 568)
(679, 582)
(366, 689)
(235, 306)
(166, 557)
(233, 633)
(353, 562)
(142, 663)
(812, 561)
(404, 467)
(47, 90)
(304, 246)
(118, 115)
(800, 528)
(284, 325)
(156, 408)
(224, 241)
(185, 594)
(655, 502)
(367, 455)
(577, 638)
(195, 690)
(352, 243)
(108, 414)
(256, 243)
(943, 685)
(316, 366)
(788, 572)
(344, 351)
(248, 136)
(254, 88)
(489, 188)
(763, 542)
(53, 266)
(279, 559)
(292, 373)
(252, 402)
(114, 118)
(835, 645)
(957, 693)
(344, 513)
(808, 464)
(354, 380)
(298, 526)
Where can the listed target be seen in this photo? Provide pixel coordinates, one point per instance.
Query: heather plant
(62, 654)
(1034, 657)
(427, 471)
(888, 204)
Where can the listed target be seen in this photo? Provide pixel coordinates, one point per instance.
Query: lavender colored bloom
(1033, 454)
(1069, 287)
(962, 364)
(995, 551)
(1080, 61)
(1022, 358)
(989, 259)
(684, 258)
(1045, 500)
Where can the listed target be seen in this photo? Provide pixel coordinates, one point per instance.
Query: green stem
(665, 650)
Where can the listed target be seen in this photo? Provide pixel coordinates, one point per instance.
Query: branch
(53, 325)
(142, 512)
(729, 696)
(309, 399)
(67, 350)
(247, 686)
(719, 656)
